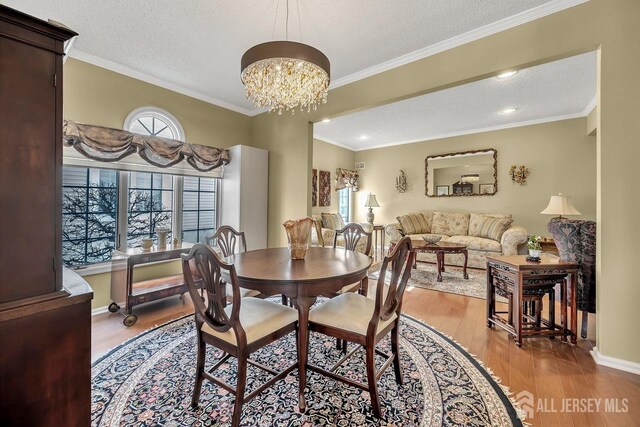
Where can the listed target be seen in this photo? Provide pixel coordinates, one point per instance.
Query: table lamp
(371, 203)
(560, 205)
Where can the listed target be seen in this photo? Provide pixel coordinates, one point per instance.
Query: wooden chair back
(226, 238)
(401, 260)
(352, 234)
(210, 270)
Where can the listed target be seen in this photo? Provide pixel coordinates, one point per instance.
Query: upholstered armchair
(576, 242)
(324, 230)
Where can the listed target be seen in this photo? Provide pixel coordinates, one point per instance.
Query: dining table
(323, 271)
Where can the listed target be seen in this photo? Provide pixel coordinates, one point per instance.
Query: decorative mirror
(468, 173)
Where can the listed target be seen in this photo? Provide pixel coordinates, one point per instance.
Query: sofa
(484, 234)
(324, 230)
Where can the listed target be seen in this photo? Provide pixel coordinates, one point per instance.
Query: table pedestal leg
(303, 304)
(464, 267)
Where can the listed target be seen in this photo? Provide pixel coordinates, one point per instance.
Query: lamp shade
(371, 201)
(560, 205)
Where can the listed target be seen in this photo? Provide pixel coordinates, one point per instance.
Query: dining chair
(350, 237)
(228, 239)
(361, 320)
(239, 329)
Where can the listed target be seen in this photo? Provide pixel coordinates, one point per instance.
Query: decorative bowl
(432, 239)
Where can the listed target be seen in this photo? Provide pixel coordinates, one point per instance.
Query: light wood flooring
(549, 369)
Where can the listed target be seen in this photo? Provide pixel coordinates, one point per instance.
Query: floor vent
(359, 165)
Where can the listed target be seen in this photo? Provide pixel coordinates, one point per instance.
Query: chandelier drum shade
(284, 75)
(472, 177)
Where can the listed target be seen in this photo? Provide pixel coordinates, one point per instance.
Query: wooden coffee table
(440, 249)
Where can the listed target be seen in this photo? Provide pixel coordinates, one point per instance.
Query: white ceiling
(195, 47)
(557, 90)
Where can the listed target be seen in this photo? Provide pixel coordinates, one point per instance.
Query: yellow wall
(97, 96)
(609, 25)
(328, 157)
(559, 155)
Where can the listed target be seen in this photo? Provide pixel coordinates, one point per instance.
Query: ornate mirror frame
(442, 156)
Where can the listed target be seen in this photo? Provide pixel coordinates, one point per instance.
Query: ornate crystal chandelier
(284, 75)
(471, 177)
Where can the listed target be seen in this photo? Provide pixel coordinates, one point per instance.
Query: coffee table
(441, 248)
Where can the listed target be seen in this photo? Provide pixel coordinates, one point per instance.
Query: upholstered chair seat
(350, 312)
(258, 317)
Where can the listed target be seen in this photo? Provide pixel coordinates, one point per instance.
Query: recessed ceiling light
(363, 137)
(507, 74)
(326, 120)
(509, 110)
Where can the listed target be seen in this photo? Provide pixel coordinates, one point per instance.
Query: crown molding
(330, 141)
(478, 33)
(470, 36)
(462, 133)
(614, 362)
(122, 69)
(590, 106)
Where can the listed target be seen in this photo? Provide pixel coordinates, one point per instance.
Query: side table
(378, 229)
(516, 278)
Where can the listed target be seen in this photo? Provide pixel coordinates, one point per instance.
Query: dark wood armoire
(45, 313)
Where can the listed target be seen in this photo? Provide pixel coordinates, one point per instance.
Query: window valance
(346, 178)
(104, 144)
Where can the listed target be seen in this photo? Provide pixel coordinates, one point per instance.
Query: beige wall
(560, 156)
(328, 157)
(98, 96)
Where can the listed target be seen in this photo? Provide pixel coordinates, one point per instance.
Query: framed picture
(442, 190)
(324, 188)
(314, 187)
(486, 189)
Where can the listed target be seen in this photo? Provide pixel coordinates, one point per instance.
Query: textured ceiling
(560, 89)
(197, 45)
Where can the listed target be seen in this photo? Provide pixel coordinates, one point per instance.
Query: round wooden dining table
(323, 271)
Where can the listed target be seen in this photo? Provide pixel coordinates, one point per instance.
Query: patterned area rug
(452, 281)
(148, 381)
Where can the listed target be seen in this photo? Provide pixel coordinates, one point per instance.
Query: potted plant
(533, 244)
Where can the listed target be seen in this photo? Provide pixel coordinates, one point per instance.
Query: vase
(535, 253)
(298, 236)
(162, 237)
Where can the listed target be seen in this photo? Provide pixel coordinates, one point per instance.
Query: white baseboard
(100, 310)
(615, 363)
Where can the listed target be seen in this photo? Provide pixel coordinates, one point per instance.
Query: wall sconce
(401, 182)
(519, 174)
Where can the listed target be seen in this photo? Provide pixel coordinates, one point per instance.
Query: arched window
(154, 121)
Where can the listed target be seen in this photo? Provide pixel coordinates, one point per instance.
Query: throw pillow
(450, 223)
(332, 221)
(488, 227)
(413, 224)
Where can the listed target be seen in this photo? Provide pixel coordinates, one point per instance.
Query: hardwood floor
(549, 369)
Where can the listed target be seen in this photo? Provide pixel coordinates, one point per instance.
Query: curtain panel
(109, 145)
(346, 178)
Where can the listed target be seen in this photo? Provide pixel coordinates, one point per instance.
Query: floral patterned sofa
(484, 234)
(324, 230)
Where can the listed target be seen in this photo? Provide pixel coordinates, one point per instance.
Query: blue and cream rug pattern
(148, 381)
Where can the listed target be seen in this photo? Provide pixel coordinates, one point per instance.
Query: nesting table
(516, 278)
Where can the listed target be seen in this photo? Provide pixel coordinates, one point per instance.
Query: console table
(125, 293)
(516, 278)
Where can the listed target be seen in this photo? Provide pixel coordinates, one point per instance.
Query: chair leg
(395, 352)
(338, 344)
(371, 380)
(200, 358)
(285, 300)
(344, 346)
(585, 324)
(242, 382)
